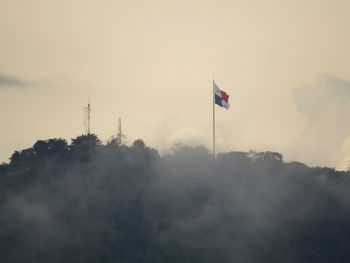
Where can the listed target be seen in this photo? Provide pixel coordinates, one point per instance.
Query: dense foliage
(93, 202)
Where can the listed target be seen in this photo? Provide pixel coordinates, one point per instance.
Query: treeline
(86, 201)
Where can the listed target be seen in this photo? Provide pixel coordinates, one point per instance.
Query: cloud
(312, 100)
(8, 81)
(326, 104)
(188, 136)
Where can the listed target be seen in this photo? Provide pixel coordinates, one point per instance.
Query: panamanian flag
(221, 97)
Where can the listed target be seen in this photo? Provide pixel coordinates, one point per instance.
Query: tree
(83, 148)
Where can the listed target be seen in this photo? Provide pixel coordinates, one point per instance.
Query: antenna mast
(120, 135)
(87, 111)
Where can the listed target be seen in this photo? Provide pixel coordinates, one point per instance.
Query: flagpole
(213, 117)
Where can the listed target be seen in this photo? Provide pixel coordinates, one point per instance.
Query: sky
(285, 65)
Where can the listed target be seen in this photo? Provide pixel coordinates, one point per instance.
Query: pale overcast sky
(285, 64)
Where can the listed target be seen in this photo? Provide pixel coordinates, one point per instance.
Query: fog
(92, 202)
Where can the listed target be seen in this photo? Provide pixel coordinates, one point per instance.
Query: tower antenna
(120, 134)
(87, 111)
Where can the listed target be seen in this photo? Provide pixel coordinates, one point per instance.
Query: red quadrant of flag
(224, 96)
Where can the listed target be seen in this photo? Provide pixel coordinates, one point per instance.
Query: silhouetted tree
(84, 147)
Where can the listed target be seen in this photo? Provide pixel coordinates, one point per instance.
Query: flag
(221, 97)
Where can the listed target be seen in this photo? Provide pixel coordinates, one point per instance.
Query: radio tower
(120, 135)
(87, 111)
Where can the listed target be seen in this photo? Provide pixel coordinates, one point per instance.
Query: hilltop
(87, 201)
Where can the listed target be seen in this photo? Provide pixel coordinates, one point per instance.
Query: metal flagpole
(213, 117)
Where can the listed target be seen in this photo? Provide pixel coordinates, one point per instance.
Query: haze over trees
(86, 201)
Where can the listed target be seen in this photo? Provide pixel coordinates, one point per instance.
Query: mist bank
(92, 202)
(325, 139)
